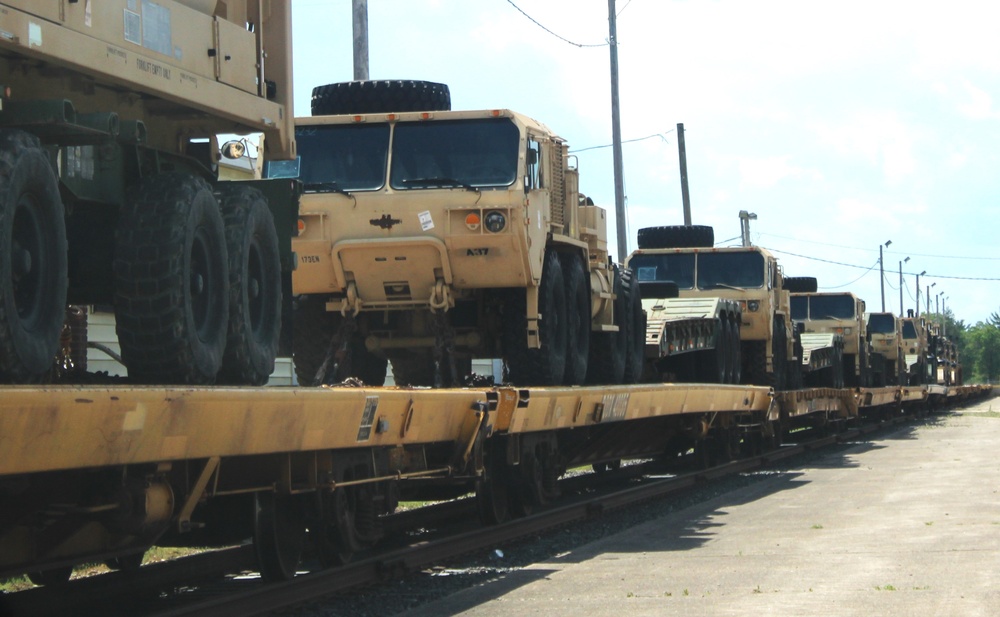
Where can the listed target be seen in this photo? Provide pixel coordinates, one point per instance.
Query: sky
(842, 126)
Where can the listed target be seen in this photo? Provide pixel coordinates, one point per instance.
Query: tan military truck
(840, 314)
(885, 332)
(429, 237)
(919, 365)
(748, 276)
(109, 117)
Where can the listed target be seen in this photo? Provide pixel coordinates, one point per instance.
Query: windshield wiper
(724, 286)
(324, 187)
(440, 182)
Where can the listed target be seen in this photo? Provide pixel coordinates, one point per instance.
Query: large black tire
(714, 365)
(546, 365)
(312, 329)
(735, 350)
(381, 96)
(800, 284)
(778, 377)
(172, 282)
(254, 287)
(635, 336)
(676, 237)
(417, 369)
(578, 320)
(608, 349)
(33, 260)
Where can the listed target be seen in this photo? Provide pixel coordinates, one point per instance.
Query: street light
(901, 285)
(918, 291)
(881, 271)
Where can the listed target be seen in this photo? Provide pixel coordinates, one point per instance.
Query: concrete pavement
(905, 525)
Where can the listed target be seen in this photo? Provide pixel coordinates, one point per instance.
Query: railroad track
(195, 586)
(414, 558)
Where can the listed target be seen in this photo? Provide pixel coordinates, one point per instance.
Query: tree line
(978, 345)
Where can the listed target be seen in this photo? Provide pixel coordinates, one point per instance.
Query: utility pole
(745, 218)
(901, 287)
(616, 136)
(918, 291)
(360, 22)
(881, 272)
(682, 155)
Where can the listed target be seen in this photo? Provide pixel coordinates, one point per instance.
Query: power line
(927, 275)
(863, 275)
(860, 248)
(561, 38)
(627, 141)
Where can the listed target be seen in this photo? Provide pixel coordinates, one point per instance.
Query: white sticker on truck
(426, 222)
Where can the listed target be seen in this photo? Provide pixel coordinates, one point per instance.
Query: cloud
(879, 137)
(767, 172)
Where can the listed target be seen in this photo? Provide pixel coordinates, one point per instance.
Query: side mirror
(234, 149)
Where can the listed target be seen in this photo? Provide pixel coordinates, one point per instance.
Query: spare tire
(676, 237)
(381, 96)
(800, 284)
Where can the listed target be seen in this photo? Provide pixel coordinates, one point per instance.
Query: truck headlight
(494, 221)
(753, 305)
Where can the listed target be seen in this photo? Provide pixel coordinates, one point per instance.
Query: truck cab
(842, 314)
(885, 332)
(437, 234)
(748, 275)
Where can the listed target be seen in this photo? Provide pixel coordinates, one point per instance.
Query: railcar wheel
(607, 466)
(254, 287)
(546, 365)
(51, 578)
(33, 261)
(171, 282)
(493, 501)
(126, 563)
(578, 320)
(279, 535)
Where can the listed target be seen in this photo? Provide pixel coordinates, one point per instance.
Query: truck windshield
(454, 153)
(882, 323)
(800, 307)
(744, 270)
(909, 331)
(675, 267)
(343, 157)
(838, 306)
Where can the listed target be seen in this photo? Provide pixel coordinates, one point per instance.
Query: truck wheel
(578, 320)
(546, 365)
(607, 349)
(254, 288)
(800, 284)
(33, 260)
(635, 338)
(714, 362)
(676, 237)
(735, 349)
(313, 327)
(172, 282)
(779, 356)
(380, 96)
